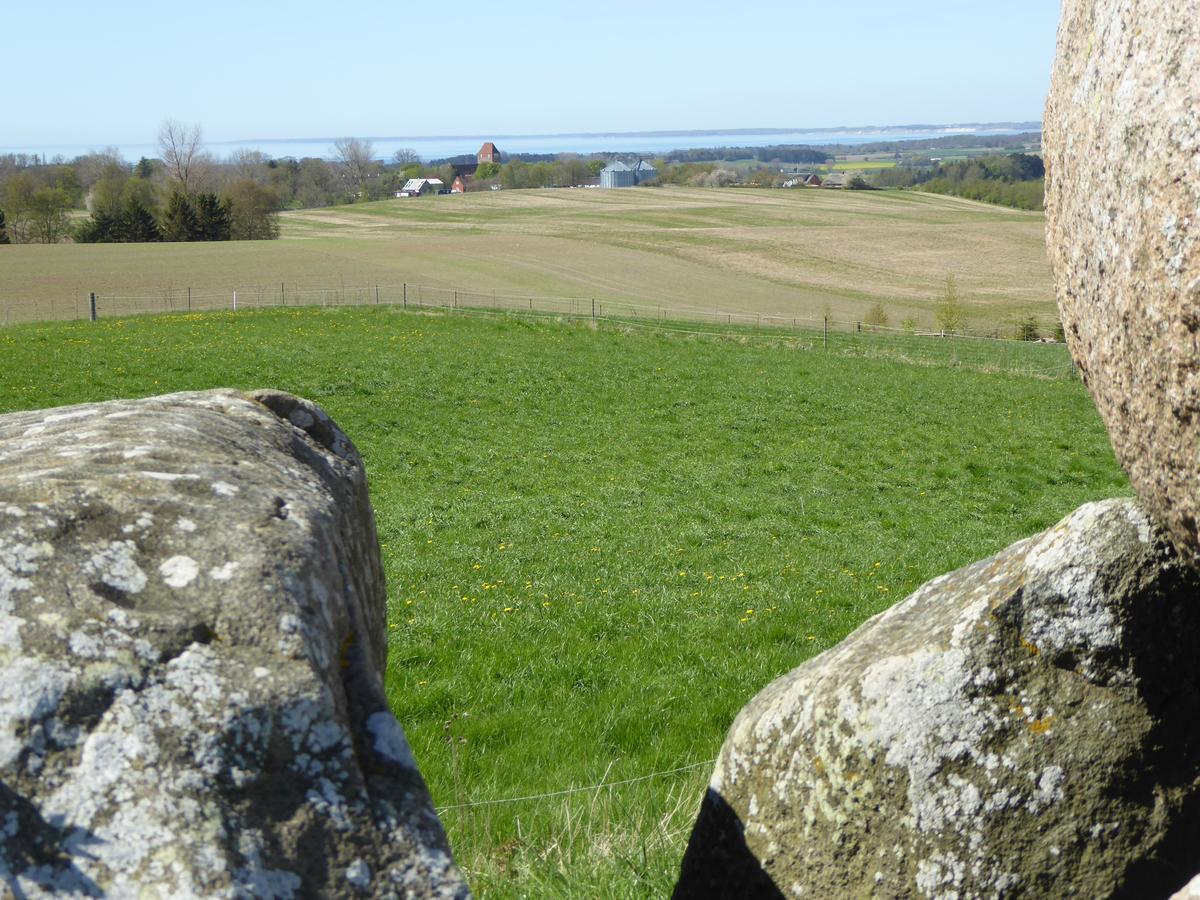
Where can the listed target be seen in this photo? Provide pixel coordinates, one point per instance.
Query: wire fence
(979, 351)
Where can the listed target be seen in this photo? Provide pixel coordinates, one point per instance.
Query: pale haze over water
(627, 143)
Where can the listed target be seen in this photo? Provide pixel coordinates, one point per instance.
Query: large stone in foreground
(192, 638)
(1122, 143)
(1026, 726)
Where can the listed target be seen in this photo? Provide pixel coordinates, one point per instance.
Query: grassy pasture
(785, 252)
(601, 542)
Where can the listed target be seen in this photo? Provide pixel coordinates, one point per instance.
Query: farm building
(835, 180)
(617, 174)
(803, 179)
(416, 187)
(488, 153)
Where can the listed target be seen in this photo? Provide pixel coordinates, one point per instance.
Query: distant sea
(646, 142)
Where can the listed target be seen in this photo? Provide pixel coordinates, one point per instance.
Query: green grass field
(781, 252)
(600, 542)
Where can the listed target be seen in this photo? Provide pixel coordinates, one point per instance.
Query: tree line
(185, 195)
(1015, 179)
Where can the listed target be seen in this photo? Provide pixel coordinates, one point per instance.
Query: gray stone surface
(1026, 726)
(1190, 891)
(192, 638)
(1122, 144)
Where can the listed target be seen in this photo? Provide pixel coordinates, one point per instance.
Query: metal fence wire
(975, 350)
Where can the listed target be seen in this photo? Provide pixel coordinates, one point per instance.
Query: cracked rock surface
(1122, 146)
(1026, 726)
(192, 642)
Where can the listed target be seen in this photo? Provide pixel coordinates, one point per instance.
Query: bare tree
(356, 159)
(181, 150)
(91, 167)
(405, 156)
(250, 164)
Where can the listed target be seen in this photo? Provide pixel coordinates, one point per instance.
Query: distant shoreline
(954, 128)
(584, 143)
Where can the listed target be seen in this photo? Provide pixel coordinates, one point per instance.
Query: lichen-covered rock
(1026, 726)
(1122, 143)
(192, 638)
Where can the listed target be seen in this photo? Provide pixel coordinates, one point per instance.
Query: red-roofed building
(488, 153)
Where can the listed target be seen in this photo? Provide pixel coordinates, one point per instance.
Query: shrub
(950, 313)
(877, 316)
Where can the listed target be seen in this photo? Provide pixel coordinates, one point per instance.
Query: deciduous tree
(950, 312)
(356, 160)
(182, 151)
(48, 215)
(252, 209)
(405, 156)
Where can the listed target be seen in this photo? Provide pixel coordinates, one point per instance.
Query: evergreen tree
(136, 224)
(214, 218)
(144, 168)
(99, 229)
(179, 222)
(3, 230)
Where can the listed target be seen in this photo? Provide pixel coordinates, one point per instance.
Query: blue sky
(95, 73)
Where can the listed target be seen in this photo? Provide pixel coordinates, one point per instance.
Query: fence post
(235, 301)
(593, 307)
(376, 295)
(405, 299)
(189, 299)
(93, 300)
(282, 295)
(456, 299)
(826, 332)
